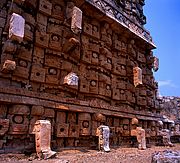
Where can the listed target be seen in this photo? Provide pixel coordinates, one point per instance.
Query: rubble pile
(166, 156)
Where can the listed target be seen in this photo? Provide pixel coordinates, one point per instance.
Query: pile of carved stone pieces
(166, 156)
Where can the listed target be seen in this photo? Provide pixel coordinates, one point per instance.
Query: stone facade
(100, 42)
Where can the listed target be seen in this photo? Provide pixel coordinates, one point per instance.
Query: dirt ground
(117, 155)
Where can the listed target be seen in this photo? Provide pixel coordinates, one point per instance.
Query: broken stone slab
(166, 156)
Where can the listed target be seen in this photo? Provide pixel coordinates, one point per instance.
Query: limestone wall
(102, 53)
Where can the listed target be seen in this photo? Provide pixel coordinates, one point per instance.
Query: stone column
(139, 132)
(42, 130)
(103, 133)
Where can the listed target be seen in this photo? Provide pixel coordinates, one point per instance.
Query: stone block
(4, 123)
(123, 95)
(37, 60)
(141, 57)
(102, 89)
(21, 72)
(87, 55)
(32, 3)
(41, 28)
(37, 74)
(84, 85)
(119, 130)
(37, 110)
(115, 94)
(95, 58)
(8, 66)
(121, 84)
(24, 53)
(16, 29)
(39, 52)
(42, 39)
(61, 117)
(119, 69)
(76, 21)
(19, 109)
(66, 66)
(55, 42)
(96, 31)
(87, 28)
(49, 113)
(71, 118)
(117, 44)
(106, 39)
(28, 33)
(73, 130)
(42, 19)
(18, 129)
(62, 130)
(45, 7)
(53, 78)
(93, 87)
(137, 76)
(18, 124)
(130, 97)
(9, 47)
(58, 10)
(84, 121)
(141, 101)
(55, 29)
(116, 122)
(55, 61)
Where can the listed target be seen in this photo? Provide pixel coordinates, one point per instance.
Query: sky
(163, 22)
